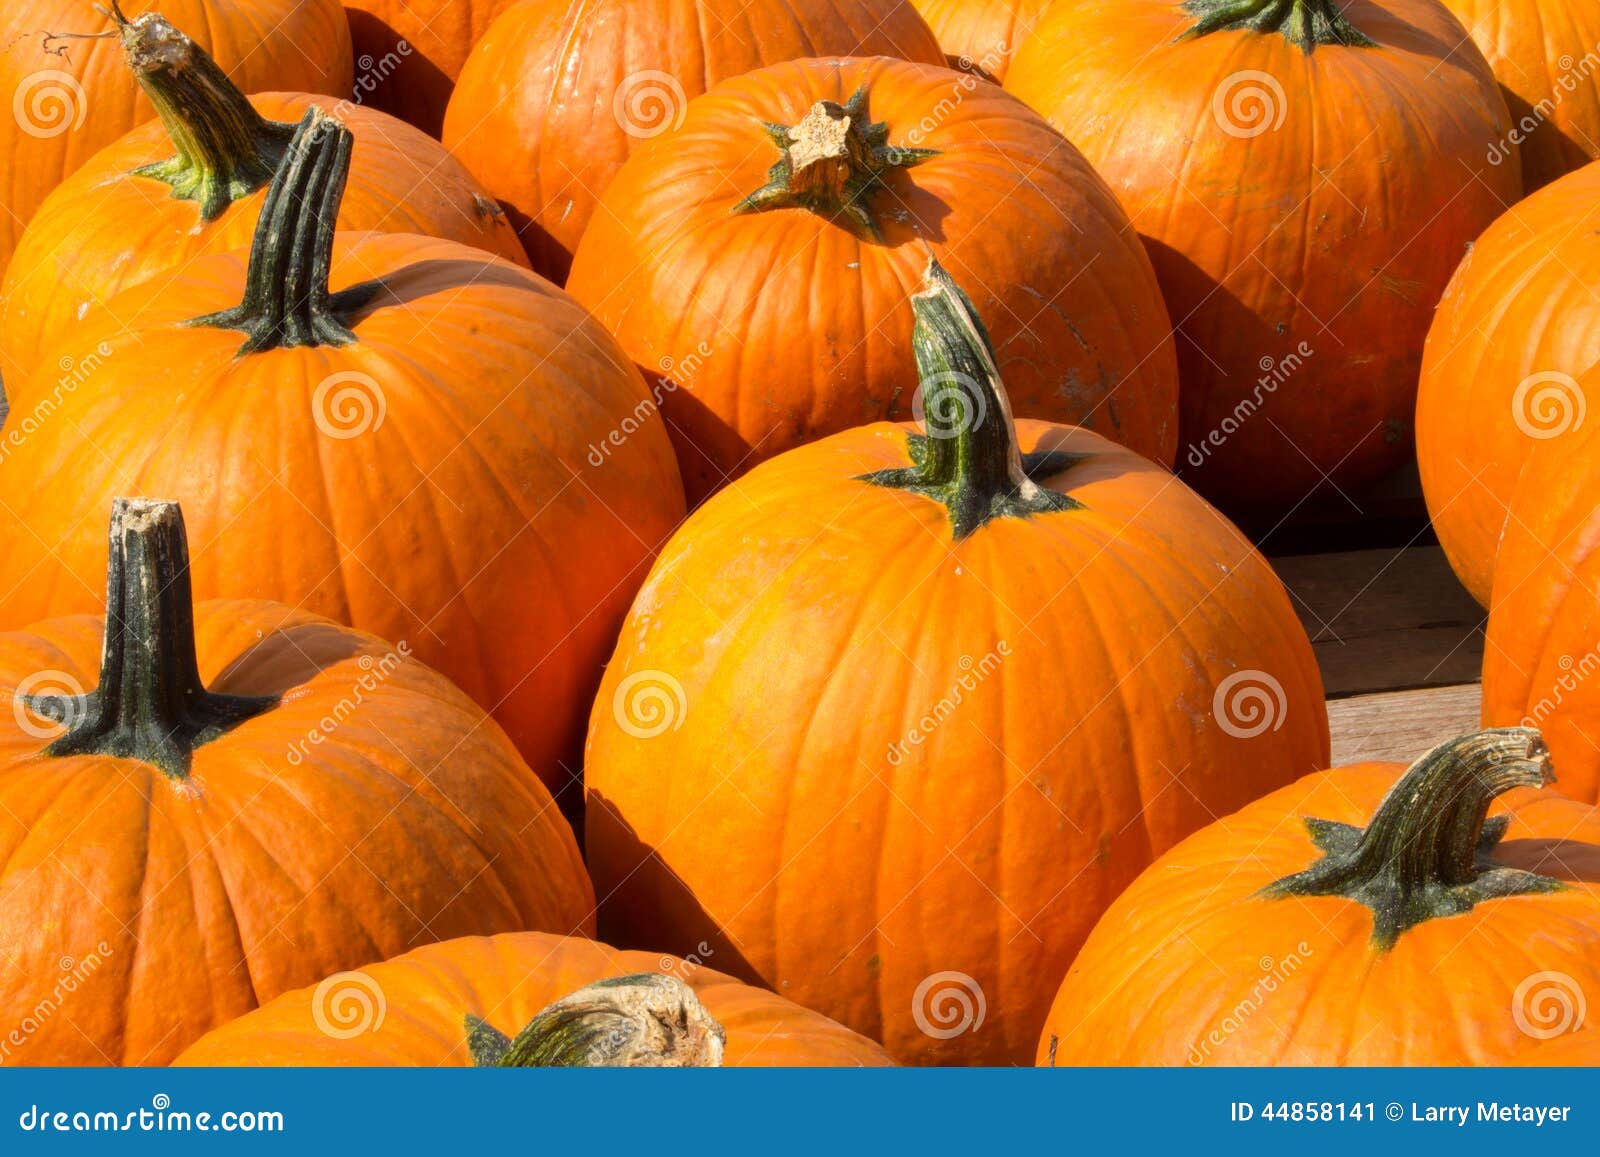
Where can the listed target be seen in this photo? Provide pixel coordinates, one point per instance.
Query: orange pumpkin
(1541, 659)
(246, 798)
(1351, 919)
(72, 97)
(1546, 56)
(1306, 176)
(457, 453)
(112, 225)
(697, 259)
(558, 94)
(895, 717)
(1564, 1048)
(982, 36)
(460, 1004)
(1518, 323)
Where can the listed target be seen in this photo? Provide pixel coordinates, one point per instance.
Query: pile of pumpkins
(777, 443)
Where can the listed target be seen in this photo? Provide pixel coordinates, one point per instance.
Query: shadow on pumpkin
(1570, 861)
(421, 279)
(1552, 149)
(653, 885)
(286, 659)
(404, 83)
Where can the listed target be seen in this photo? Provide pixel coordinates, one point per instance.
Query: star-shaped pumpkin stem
(831, 162)
(1306, 23)
(1429, 850)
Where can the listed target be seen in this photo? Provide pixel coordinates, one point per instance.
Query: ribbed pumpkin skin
(1522, 304)
(413, 819)
(982, 35)
(414, 84)
(543, 110)
(1569, 1050)
(810, 620)
(298, 45)
(783, 326)
(507, 980)
(1353, 213)
(1541, 660)
(104, 229)
(1190, 944)
(1546, 56)
(470, 523)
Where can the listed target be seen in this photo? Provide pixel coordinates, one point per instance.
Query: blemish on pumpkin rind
(1102, 850)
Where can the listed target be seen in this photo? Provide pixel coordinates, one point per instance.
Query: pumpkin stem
(649, 1020)
(151, 703)
(969, 459)
(1306, 23)
(1428, 851)
(830, 164)
(286, 298)
(226, 150)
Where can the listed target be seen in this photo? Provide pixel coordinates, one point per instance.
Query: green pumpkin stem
(151, 704)
(1428, 850)
(830, 164)
(649, 1020)
(969, 459)
(287, 301)
(226, 150)
(1305, 23)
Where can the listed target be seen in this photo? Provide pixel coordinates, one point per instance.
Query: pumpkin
(981, 36)
(1565, 1048)
(112, 225)
(697, 260)
(408, 55)
(1546, 56)
(1542, 648)
(467, 1002)
(1518, 324)
(246, 798)
(558, 94)
(1369, 915)
(71, 96)
(1303, 289)
(896, 716)
(428, 440)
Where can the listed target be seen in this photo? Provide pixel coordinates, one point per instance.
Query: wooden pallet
(1400, 644)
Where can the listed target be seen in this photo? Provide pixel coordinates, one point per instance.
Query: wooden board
(1400, 725)
(1383, 620)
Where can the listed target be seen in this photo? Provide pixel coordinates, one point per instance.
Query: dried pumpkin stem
(830, 164)
(969, 459)
(649, 1020)
(1306, 23)
(151, 703)
(226, 150)
(287, 301)
(1428, 849)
